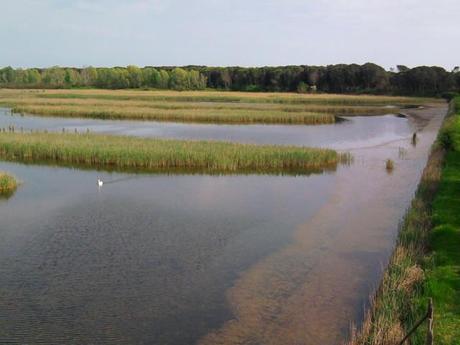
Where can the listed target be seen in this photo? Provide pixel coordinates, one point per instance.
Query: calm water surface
(356, 132)
(184, 259)
(143, 260)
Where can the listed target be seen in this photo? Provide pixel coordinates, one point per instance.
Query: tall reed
(120, 152)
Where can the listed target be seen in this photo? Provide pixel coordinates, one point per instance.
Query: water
(184, 259)
(355, 132)
(145, 259)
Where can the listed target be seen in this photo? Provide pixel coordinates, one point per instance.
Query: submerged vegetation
(119, 152)
(426, 261)
(8, 184)
(204, 107)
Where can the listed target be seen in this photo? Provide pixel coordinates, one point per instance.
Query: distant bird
(100, 183)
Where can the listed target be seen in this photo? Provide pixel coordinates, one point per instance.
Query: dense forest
(353, 78)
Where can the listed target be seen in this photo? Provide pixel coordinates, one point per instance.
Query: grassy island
(8, 184)
(122, 152)
(201, 106)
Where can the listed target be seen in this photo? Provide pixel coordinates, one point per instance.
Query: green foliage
(341, 78)
(448, 96)
(104, 78)
(302, 87)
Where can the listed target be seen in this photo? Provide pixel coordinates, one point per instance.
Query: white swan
(100, 183)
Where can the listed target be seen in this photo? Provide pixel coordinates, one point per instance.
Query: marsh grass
(120, 153)
(8, 184)
(246, 97)
(95, 102)
(389, 165)
(200, 106)
(229, 116)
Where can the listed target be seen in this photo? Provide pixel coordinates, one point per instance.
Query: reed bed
(268, 107)
(229, 116)
(120, 153)
(222, 96)
(200, 106)
(8, 184)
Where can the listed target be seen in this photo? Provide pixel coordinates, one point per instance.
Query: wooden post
(428, 316)
(429, 335)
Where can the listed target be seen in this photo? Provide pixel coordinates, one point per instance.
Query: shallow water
(157, 259)
(143, 260)
(355, 132)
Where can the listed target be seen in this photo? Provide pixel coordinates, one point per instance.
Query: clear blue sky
(43, 33)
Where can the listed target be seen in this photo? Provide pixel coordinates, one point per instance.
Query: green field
(121, 152)
(201, 106)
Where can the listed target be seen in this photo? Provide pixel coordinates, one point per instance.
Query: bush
(450, 95)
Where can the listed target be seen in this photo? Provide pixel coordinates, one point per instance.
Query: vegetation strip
(8, 184)
(443, 267)
(119, 152)
(368, 78)
(229, 116)
(202, 107)
(426, 260)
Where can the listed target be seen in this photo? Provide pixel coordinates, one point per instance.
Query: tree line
(341, 78)
(105, 78)
(352, 78)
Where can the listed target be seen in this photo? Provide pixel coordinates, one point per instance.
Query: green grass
(8, 184)
(443, 270)
(129, 153)
(200, 106)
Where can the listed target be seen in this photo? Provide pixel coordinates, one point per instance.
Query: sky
(43, 33)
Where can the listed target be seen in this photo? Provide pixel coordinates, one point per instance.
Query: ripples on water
(150, 259)
(145, 260)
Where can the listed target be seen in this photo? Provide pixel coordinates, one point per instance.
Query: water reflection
(157, 259)
(143, 260)
(355, 132)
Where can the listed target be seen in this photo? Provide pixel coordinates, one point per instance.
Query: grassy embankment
(426, 261)
(126, 153)
(443, 270)
(8, 184)
(200, 106)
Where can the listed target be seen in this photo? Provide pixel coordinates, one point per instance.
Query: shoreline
(320, 282)
(394, 306)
